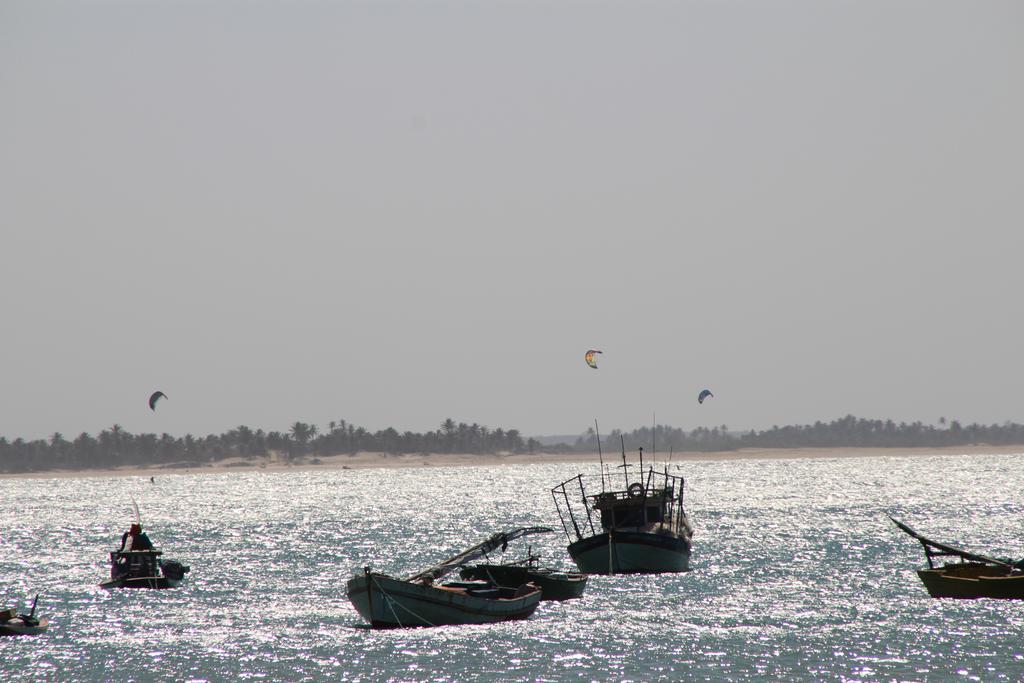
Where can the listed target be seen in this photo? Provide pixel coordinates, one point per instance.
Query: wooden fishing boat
(974, 576)
(13, 624)
(641, 528)
(553, 584)
(389, 602)
(143, 569)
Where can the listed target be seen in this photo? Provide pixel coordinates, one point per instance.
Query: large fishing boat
(974, 576)
(640, 528)
(389, 602)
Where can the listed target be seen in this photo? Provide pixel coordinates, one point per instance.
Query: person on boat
(142, 541)
(128, 538)
(135, 539)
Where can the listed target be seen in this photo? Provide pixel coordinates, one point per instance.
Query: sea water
(797, 575)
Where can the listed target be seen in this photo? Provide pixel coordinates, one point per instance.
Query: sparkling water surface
(797, 575)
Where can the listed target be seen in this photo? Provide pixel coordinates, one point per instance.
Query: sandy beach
(368, 460)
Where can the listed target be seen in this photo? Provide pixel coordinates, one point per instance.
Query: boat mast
(625, 467)
(600, 457)
(654, 442)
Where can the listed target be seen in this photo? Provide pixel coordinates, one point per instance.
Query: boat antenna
(600, 456)
(625, 467)
(654, 442)
(641, 463)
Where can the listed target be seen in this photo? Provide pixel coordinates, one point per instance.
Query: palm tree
(313, 432)
(300, 432)
(448, 427)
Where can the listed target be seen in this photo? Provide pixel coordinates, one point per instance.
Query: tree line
(846, 431)
(115, 447)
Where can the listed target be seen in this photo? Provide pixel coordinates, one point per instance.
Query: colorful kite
(590, 358)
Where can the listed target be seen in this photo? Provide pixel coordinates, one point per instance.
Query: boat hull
(154, 582)
(386, 602)
(17, 627)
(144, 569)
(968, 582)
(632, 552)
(553, 585)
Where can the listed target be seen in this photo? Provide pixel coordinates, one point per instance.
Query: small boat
(643, 526)
(144, 569)
(137, 564)
(553, 584)
(12, 624)
(389, 602)
(974, 576)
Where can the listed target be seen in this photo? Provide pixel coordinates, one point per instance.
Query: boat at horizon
(974, 576)
(388, 602)
(641, 528)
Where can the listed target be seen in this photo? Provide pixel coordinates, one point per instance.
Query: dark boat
(137, 564)
(640, 528)
(553, 584)
(144, 569)
(388, 602)
(974, 576)
(13, 624)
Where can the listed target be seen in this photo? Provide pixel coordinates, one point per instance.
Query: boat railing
(134, 562)
(576, 506)
(134, 554)
(632, 494)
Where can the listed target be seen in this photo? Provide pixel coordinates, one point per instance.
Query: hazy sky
(397, 212)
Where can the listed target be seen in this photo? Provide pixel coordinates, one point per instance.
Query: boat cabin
(635, 507)
(135, 564)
